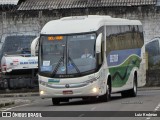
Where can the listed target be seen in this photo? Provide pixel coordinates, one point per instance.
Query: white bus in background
(153, 49)
(114, 62)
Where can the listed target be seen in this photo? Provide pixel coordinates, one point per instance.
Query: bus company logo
(114, 58)
(63, 69)
(6, 114)
(67, 86)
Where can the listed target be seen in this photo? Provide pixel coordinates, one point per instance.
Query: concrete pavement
(146, 100)
(30, 94)
(7, 102)
(19, 94)
(13, 98)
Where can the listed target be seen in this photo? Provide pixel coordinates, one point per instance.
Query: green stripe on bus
(53, 81)
(120, 74)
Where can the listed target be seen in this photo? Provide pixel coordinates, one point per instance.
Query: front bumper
(78, 92)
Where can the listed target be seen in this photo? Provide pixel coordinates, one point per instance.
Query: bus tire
(107, 96)
(132, 92)
(55, 101)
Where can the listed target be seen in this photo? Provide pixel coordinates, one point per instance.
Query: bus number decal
(113, 58)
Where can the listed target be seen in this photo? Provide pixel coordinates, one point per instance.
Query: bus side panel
(122, 64)
(124, 55)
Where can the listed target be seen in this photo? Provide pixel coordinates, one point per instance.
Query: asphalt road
(147, 100)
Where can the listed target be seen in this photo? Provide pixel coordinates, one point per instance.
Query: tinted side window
(124, 37)
(153, 48)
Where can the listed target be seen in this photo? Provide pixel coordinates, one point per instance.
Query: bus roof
(80, 24)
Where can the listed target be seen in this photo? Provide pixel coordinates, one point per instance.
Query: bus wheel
(107, 96)
(133, 91)
(55, 101)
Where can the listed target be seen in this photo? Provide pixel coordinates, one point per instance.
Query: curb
(19, 95)
(4, 103)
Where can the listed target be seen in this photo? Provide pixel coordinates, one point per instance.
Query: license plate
(67, 92)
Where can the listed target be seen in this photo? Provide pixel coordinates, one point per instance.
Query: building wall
(13, 24)
(31, 22)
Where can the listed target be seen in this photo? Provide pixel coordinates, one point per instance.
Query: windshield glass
(66, 55)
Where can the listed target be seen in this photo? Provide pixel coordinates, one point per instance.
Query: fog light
(95, 90)
(41, 92)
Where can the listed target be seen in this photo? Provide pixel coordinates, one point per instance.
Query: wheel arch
(109, 81)
(135, 76)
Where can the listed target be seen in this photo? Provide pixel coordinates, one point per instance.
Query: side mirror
(98, 43)
(34, 46)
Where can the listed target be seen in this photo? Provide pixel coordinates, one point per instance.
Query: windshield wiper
(75, 66)
(63, 53)
(59, 62)
(57, 66)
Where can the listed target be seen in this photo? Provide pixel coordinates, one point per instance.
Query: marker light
(41, 92)
(94, 89)
(59, 37)
(50, 38)
(55, 37)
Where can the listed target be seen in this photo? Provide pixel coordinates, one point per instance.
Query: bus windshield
(67, 55)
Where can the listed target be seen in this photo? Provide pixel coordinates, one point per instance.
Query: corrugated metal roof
(65, 4)
(9, 2)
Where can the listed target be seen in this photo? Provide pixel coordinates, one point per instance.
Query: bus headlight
(41, 92)
(95, 90)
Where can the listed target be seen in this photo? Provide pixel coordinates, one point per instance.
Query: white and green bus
(91, 56)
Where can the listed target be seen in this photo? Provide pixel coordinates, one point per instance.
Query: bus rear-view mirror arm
(98, 43)
(34, 46)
